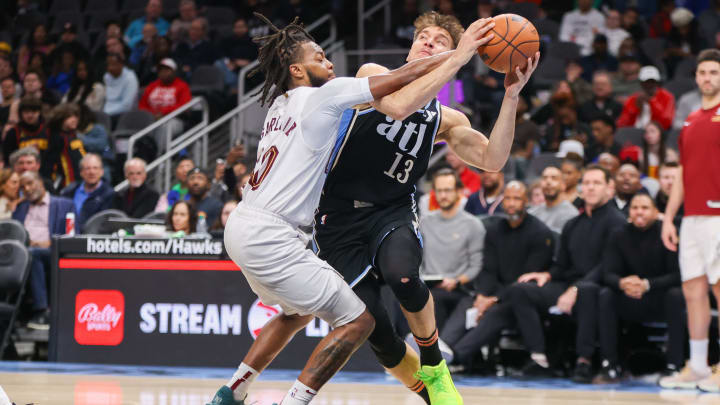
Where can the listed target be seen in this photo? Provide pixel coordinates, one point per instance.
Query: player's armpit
(470, 145)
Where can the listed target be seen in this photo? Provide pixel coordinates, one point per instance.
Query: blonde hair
(447, 22)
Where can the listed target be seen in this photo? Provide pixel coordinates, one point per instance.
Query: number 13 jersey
(301, 131)
(379, 160)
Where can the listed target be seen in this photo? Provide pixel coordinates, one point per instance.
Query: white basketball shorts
(273, 257)
(700, 248)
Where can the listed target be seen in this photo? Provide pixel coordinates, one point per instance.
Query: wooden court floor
(52, 389)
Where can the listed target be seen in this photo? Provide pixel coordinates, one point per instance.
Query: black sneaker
(583, 373)
(669, 370)
(609, 374)
(534, 370)
(40, 321)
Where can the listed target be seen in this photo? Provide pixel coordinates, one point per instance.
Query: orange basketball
(515, 40)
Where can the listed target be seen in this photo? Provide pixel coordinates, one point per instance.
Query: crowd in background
(533, 240)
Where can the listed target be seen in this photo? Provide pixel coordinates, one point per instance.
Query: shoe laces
(436, 381)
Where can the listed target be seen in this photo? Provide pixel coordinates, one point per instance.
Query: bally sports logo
(99, 317)
(259, 315)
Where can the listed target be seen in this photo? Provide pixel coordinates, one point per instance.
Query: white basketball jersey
(299, 138)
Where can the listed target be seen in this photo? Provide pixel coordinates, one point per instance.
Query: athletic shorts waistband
(269, 215)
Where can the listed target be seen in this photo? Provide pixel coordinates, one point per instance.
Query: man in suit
(139, 199)
(43, 216)
(92, 194)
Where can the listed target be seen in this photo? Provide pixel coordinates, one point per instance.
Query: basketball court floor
(82, 384)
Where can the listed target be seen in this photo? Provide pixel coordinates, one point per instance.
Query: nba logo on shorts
(259, 315)
(99, 317)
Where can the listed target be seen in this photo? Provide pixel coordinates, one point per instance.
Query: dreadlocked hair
(277, 52)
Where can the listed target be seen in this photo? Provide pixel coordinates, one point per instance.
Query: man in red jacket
(652, 103)
(167, 93)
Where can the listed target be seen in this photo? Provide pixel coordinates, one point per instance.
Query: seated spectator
(487, 200)
(179, 191)
(218, 188)
(182, 217)
(33, 87)
(634, 23)
(138, 199)
(7, 90)
(684, 39)
(614, 32)
(66, 149)
(566, 127)
(469, 177)
(572, 165)
(572, 281)
(602, 101)
(236, 52)
(655, 153)
(112, 45)
(217, 230)
(153, 15)
(180, 26)
(94, 137)
(627, 184)
(669, 174)
(207, 206)
(516, 245)
(38, 41)
(536, 195)
(28, 159)
(90, 195)
(653, 103)
(85, 89)
(121, 86)
(660, 23)
(62, 73)
(451, 263)
(556, 211)
(30, 131)
(709, 22)
(43, 216)
(600, 59)
(147, 70)
(142, 47)
(197, 50)
(626, 81)
(580, 25)
(603, 138)
(9, 192)
(561, 94)
(687, 103)
(581, 89)
(642, 284)
(166, 94)
(611, 163)
(69, 42)
(527, 138)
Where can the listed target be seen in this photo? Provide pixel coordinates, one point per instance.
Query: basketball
(516, 40)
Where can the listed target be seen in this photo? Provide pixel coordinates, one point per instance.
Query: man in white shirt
(581, 25)
(556, 211)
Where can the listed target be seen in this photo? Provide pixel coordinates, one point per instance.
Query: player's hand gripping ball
(516, 40)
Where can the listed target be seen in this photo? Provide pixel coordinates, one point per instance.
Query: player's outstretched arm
(400, 104)
(471, 145)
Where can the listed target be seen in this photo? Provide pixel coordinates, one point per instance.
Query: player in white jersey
(262, 236)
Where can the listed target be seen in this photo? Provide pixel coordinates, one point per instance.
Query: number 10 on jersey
(402, 173)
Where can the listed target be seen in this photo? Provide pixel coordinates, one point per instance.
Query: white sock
(698, 355)
(540, 359)
(299, 394)
(241, 380)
